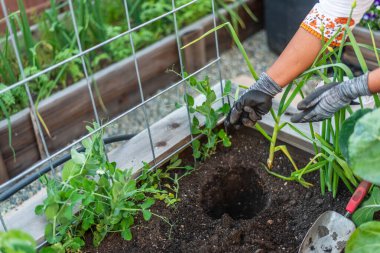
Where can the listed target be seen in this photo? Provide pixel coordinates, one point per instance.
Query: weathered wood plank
(23, 142)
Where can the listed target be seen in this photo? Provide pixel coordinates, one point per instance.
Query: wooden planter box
(362, 35)
(137, 150)
(67, 112)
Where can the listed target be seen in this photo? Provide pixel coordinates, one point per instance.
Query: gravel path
(232, 65)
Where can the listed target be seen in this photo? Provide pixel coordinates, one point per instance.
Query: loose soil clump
(231, 204)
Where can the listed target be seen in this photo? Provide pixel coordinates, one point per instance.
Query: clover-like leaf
(51, 211)
(126, 234)
(70, 169)
(189, 99)
(147, 214)
(77, 157)
(227, 88)
(196, 146)
(147, 203)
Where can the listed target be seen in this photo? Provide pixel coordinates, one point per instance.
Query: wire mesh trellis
(87, 75)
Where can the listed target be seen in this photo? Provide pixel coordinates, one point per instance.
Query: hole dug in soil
(238, 193)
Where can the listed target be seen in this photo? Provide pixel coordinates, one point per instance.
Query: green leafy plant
(207, 112)
(365, 238)
(359, 142)
(16, 241)
(94, 196)
(167, 178)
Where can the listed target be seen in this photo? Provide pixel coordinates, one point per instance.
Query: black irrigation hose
(27, 180)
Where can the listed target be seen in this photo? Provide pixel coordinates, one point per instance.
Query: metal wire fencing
(51, 157)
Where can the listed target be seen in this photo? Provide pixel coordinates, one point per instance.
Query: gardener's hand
(254, 103)
(326, 100)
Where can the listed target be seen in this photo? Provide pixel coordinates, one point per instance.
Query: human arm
(300, 53)
(374, 81)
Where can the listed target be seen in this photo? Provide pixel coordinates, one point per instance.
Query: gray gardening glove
(326, 100)
(253, 104)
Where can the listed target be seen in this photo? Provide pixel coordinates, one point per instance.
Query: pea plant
(168, 179)
(209, 112)
(96, 196)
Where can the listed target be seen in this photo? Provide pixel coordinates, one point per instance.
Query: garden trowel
(331, 230)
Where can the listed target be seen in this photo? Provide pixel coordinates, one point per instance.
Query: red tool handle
(358, 196)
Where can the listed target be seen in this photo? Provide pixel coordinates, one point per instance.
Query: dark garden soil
(231, 204)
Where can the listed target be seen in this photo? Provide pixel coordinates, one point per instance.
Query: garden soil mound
(231, 204)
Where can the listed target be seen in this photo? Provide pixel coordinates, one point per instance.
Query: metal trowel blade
(329, 234)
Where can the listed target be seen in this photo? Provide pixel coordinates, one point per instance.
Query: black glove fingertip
(296, 118)
(302, 105)
(248, 123)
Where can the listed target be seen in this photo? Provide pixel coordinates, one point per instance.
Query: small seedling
(208, 113)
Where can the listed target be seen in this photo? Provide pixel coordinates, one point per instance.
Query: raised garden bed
(363, 35)
(171, 135)
(231, 204)
(119, 91)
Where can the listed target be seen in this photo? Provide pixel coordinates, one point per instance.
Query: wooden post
(195, 55)
(3, 171)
